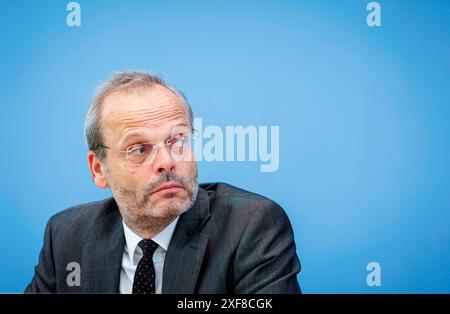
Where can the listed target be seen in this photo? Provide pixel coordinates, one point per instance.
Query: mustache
(169, 177)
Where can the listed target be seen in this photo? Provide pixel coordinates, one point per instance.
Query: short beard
(145, 217)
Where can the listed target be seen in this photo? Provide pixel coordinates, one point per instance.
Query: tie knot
(148, 246)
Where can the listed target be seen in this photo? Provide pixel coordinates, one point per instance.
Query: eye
(178, 145)
(139, 150)
(177, 141)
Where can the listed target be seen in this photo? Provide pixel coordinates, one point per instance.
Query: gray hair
(121, 81)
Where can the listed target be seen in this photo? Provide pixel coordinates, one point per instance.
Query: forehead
(152, 109)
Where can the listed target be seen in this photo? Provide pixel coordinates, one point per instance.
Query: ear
(97, 170)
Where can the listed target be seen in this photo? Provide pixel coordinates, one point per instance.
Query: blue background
(363, 115)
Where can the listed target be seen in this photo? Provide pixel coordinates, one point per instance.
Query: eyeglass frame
(156, 146)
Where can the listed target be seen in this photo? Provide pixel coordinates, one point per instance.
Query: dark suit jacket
(230, 241)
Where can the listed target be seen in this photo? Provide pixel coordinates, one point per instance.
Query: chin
(169, 207)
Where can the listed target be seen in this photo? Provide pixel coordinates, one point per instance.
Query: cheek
(136, 178)
(124, 177)
(194, 167)
(188, 169)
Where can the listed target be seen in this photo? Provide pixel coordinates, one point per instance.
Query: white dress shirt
(132, 253)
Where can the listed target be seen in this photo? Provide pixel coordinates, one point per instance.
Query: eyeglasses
(180, 148)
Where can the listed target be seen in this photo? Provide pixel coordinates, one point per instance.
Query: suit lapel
(102, 258)
(186, 250)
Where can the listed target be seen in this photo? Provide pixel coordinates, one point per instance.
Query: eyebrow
(139, 133)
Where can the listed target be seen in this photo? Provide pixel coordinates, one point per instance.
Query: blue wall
(363, 115)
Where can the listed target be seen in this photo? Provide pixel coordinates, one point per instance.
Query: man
(161, 232)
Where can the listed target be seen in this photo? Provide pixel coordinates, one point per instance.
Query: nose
(163, 161)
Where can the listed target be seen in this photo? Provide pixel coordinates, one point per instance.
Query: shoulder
(81, 217)
(85, 211)
(227, 197)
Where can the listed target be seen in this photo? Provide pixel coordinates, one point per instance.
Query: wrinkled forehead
(153, 110)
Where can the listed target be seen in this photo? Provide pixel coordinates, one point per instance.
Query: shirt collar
(162, 239)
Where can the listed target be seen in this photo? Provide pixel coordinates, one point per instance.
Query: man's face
(152, 115)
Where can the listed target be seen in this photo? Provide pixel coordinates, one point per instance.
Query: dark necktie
(144, 277)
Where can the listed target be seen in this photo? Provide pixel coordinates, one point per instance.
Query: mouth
(168, 188)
